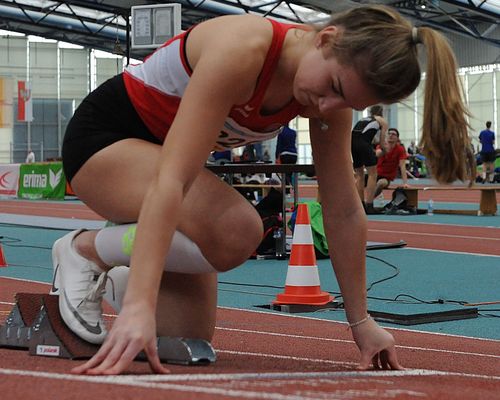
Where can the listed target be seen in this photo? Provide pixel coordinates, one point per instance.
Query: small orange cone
(302, 279)
(3, 262)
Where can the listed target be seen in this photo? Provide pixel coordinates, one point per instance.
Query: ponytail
(445, 139)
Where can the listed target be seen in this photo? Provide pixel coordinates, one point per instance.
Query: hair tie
(414, 35)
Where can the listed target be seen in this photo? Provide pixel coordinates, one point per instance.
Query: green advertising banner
(42, 181)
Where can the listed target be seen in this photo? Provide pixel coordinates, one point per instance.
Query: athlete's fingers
(365, 362)
(392, 357)
(95, 360)
(155, 364)
(111, 359)
(126, 357)
(384, 362)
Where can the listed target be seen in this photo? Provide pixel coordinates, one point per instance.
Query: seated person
(389, 160)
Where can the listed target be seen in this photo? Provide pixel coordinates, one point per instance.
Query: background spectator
(387, 165)
(488, 153)
(30, 157)
(286, 146)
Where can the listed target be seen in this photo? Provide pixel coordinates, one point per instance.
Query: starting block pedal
(16, 333)
(174, 350)
(35, 324)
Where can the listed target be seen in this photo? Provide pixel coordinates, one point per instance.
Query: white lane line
(467, 253)
(162, 381)
(352, 342)
(307, 375)
(285, 357)
(130, 380)
(435, 234)
(24, 280)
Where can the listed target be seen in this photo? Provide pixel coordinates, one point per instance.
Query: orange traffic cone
(3, 262)
(302, 279)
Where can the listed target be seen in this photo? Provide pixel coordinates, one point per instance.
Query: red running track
(269, 356)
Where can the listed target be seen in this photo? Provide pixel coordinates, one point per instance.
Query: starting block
(35, 324)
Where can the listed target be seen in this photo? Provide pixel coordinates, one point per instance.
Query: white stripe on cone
(302, 234)
(302, 276)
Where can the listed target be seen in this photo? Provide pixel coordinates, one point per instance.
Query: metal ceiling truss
(463, 18)
(73, 27)
(72, 21)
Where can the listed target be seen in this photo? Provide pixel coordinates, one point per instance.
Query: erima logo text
(40, 180)
(35, 181)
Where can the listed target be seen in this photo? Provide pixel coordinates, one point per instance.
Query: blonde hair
(382, 47)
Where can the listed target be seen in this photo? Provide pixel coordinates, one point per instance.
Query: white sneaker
(80, 284)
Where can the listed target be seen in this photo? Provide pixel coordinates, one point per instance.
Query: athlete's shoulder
(241, 40)
(235, 30)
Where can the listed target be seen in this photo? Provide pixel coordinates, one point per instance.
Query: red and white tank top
(156, 86)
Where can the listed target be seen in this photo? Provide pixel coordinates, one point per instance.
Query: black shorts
(363, 153)
(488, 157)
(288, 159)
(383, 177)
(104, 117)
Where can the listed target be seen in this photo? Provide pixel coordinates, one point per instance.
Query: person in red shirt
(389, 159)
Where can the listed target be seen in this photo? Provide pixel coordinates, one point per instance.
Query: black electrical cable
(384, 279)
(8, 240)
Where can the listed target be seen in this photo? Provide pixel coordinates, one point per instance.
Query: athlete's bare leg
(226, 228)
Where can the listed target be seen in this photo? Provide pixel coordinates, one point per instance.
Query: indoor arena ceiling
(102, 24)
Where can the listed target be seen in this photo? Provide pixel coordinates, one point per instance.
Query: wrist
(360, 321)
(137, 302)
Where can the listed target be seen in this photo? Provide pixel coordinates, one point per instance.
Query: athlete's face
(324, 84)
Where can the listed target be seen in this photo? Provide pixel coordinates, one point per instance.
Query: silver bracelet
(362, 321)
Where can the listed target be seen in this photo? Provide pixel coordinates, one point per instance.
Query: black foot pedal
(174, 350)
(17, 331)
(300, 308)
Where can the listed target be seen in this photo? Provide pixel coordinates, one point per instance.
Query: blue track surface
(426, 275)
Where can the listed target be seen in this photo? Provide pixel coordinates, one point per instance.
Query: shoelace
(97, 292)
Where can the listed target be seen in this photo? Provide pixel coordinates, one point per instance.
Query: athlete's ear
(326, 36)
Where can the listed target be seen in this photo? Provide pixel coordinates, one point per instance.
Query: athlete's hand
(133, 331)
(377, 347)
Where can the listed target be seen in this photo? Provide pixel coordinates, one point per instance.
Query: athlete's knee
(238, 241)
